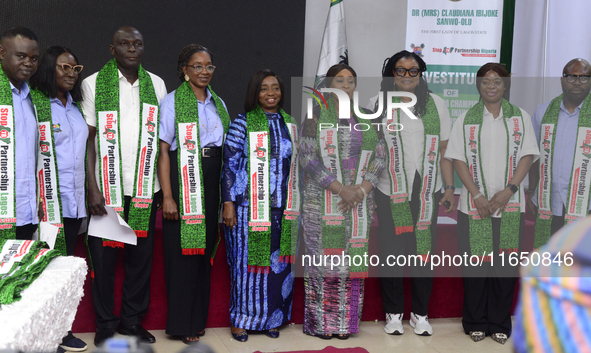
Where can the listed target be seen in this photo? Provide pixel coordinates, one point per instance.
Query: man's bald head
(575, 81)
(578, 62)
(123, 30)
(127, 46)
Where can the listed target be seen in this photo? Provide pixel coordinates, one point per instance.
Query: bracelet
(450, 187)
(341, 189)
(477, 196)
(530, 191)
(364, 192)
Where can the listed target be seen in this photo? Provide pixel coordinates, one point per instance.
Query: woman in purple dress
(342, 158)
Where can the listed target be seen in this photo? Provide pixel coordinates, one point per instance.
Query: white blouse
(413, 142)
(494, 153)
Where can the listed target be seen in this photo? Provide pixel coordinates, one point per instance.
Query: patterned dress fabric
(554, 309)
(258, 301)
(334, 301)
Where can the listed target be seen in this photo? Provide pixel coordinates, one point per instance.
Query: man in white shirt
(127, 48)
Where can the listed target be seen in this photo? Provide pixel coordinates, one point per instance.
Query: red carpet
(330, 349)
(446, 298)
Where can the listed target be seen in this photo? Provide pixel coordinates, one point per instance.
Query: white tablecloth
(44, 315)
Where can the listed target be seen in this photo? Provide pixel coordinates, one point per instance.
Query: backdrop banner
(455, 38)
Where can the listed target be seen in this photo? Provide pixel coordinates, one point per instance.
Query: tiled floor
(448, 337)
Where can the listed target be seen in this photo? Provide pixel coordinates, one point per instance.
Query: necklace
(206, 129)
(215, 127)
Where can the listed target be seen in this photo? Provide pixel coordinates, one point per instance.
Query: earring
(186, 77)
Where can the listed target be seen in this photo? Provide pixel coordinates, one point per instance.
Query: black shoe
(138, 331)
(102, 334)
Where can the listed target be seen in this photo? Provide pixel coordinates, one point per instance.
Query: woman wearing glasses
(63, 134)
(261, 141)
(492, 146)
(193, 123)
(416, 146)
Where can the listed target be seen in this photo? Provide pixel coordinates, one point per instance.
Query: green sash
(7, 161)
(192, 210)
(481, 229)
(580, 184)
(334, 239)
(399, 192)
(22, 261)
(47, 171)
(259, 225)
(109, 153)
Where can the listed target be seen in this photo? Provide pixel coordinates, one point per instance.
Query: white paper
(446, 220)
(48, 233)
(111, 227)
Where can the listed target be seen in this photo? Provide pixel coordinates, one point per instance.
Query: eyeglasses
(69, 69)
(583, 79)
(497, 83)
(401, 71)
(199, 68)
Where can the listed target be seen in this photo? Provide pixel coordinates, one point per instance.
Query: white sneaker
(421, 325)
(394, 324)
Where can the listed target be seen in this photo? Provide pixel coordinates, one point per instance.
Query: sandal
(499, 337)
(190, 339)
(241, 336)
(273, 333)
(343, 337)
(477, 336)
(201, 334)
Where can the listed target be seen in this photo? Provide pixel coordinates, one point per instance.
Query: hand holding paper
(112, 227)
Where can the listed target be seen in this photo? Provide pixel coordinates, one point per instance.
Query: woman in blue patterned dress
(261, 296)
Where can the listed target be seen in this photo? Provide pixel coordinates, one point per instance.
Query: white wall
(547, 35)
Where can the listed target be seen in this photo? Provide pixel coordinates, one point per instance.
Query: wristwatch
(513, 188)
(453, 188)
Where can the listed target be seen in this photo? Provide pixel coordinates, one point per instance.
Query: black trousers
(557, 223)
(488, 294)
(404, 244)
(26, 231)
(188, 276)
(136, 284)
(71, 228)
